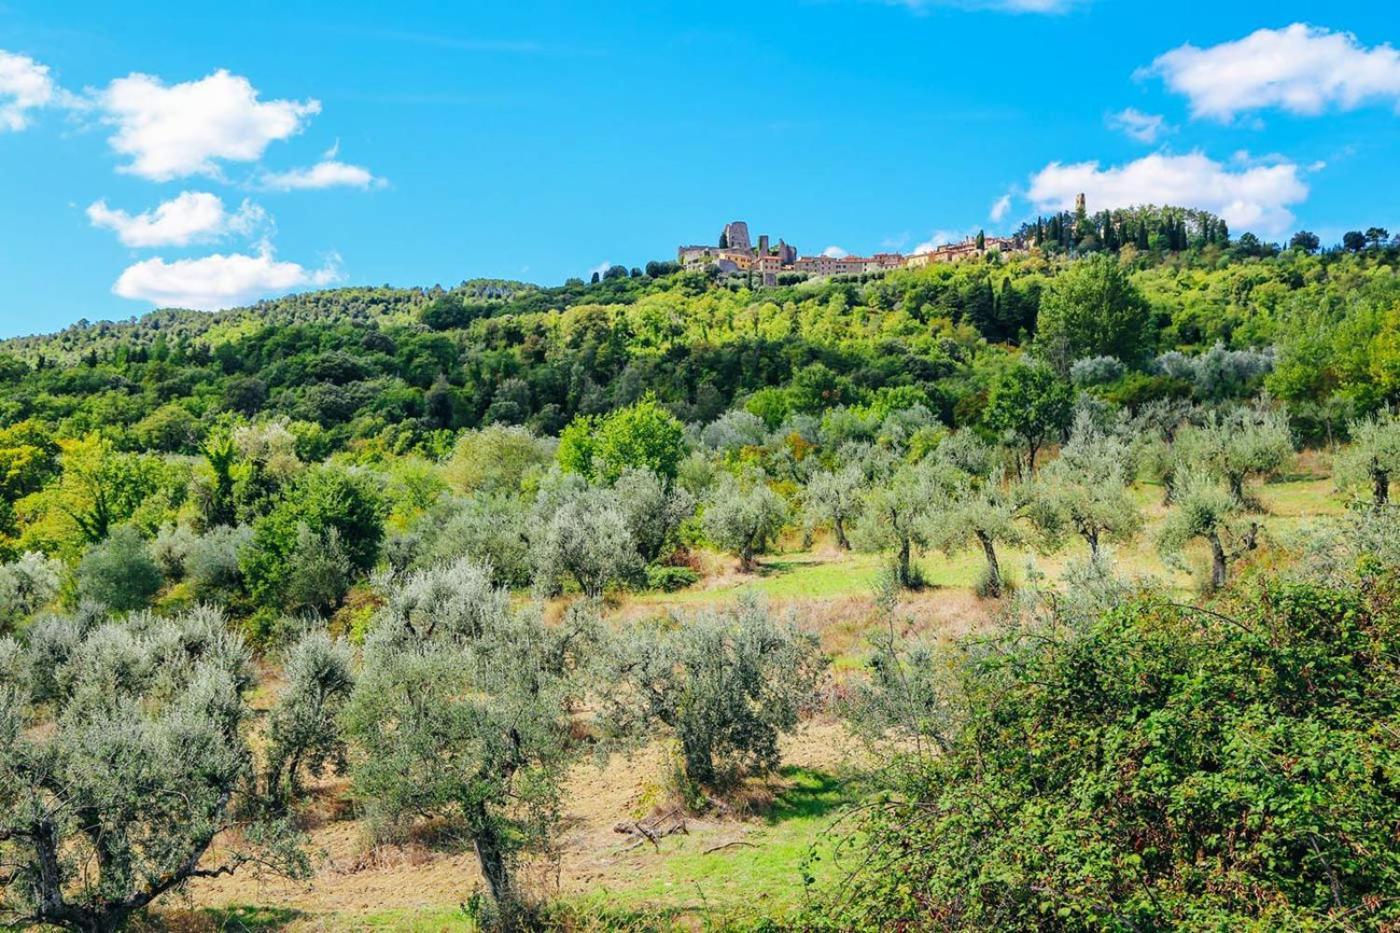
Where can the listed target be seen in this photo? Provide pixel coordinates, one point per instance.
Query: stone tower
(1079, 205)
(737, 235)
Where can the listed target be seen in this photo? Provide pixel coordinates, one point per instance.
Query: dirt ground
(351, 876)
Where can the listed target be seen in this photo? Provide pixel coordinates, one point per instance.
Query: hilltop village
(737, 253)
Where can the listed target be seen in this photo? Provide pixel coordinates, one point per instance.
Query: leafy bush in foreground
(1162, 767)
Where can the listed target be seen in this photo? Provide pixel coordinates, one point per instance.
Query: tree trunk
(1237, 487)
(1093, 538)
(993, 568)
(486, 840)
(839, 526)
(1380, 487)
(902, 573)
(1217, 565)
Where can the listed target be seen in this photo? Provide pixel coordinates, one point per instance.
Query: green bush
(671, 579)
(1158, 768)
(120, 573)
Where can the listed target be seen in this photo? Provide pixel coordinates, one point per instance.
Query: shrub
(727, 683)
(212, 564)
(744, 518)
(26, 586)
(461, 712)
(671, 579)
(123, 758)
(303, 731)
(119, 573)
(1153, 767)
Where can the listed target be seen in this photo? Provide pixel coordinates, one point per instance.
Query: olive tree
(1373, 458)
(728, 683)
(652, 510)
(27, 584)
(461, 712)
(123, 758)
(893, 516)
(835, 497)
(491, 527)
(584, 536)
(744, 517)
(982, 511)
(303, 732)
(1087, 488)
(1246, 442)
(120, 571)
(1207, 510)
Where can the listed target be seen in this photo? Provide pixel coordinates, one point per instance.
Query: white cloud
(171, 131)
(326, 174)
(835, 252)
(941, 238)
(1144, 127)
(25, 85)
(1000, 208)
(191, 217)
(1255, 196)
(219, 281)
(1302, 69)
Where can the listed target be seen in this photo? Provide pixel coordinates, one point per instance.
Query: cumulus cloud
(190, 217)
(172, 131)
(325, 174)
(1000, 208)
(1253, 196)
(25, 85)
(1144, 127)
(218, 281)
(835, 252)
(1301, 69)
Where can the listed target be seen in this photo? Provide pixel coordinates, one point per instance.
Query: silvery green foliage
(461, 712)
(27, 584)
(1096, 370)
(844, 425)
(1207, 509)
(652, 512)
(171, 549)
(744, 517)
(583, 535)
(727, 683)
(910, 694)
(1086, 490)
(119, 572)
(488, 527)
(119, 771)
(1372, 460)
(899, 427)
(835, 497)
(894, 512)
(1218, 373)
(303, 729)
(981, 511)
(1244, 442)
(211, 564)
(799, 424)
(733, 430)
(319, 571)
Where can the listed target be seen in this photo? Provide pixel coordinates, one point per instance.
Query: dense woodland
(418, 506)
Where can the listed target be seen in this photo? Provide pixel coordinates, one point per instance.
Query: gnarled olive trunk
(993, 567)
(1218, 568)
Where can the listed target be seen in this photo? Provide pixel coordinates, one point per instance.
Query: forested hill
(402, 367)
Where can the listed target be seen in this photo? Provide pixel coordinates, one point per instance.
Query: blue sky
(150, 156)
